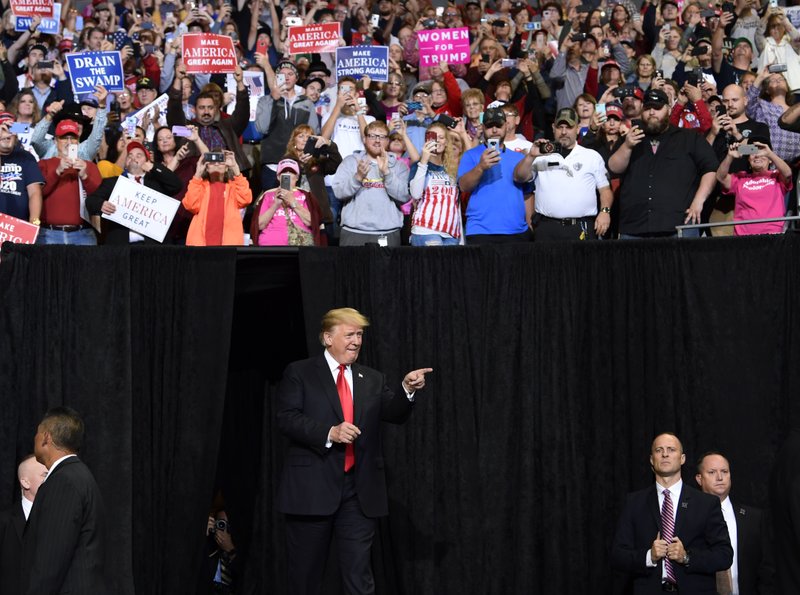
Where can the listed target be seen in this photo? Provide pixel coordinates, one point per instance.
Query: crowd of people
(570, 122)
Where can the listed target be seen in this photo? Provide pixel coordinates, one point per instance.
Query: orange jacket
(237, 195)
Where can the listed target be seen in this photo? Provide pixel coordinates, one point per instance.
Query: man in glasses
(372, 184)
(420, 114)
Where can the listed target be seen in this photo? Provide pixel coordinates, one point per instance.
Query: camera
(429, 23)
(220, 525)
(623, 92)
(546, 147)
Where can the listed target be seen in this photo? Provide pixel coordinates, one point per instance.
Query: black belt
(669, 587)
(66, 228)
(252, 142)
(569, 221)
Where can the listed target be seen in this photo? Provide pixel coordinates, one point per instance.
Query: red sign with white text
(207, 52)
(30, 8)
(17, 231)
(321, 38)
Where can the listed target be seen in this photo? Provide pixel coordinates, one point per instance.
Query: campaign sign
(321, 38)
(363, 60)
(90, 69)
(450, 45)
(142, 209)
(50, 26)
(157, 110)
(208, 53)
(254, 81)
(17, 231)
(30, 8)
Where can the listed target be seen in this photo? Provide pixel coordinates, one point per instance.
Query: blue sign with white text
(87, 70)
(360, 60)
(48, 26)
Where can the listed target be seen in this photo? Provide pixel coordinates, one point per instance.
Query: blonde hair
(451, 156)
(338, 316)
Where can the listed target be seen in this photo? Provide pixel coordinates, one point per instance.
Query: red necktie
(138, 179)
(346, 399)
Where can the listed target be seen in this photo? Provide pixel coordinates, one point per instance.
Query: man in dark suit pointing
(333, 481)
(752, 571)
(63, 543)
(671, 537)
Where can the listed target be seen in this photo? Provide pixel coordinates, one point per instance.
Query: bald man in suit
(333, 481)
(752, 571)
(30, 474)
(699, 546)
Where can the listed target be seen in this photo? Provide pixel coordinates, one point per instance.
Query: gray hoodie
(371, 206)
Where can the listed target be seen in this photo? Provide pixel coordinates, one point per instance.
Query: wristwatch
(605, 209)
(685, 560)
(36, 221)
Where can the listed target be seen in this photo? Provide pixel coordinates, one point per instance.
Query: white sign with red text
(142, 209)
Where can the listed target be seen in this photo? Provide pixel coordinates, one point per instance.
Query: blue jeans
(432, 240)
(82, 237)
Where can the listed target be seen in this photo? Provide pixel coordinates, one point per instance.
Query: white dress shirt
(675, 496)
(26, 507)
(730, 520)
(56, 464)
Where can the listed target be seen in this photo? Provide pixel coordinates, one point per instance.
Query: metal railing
(681, 228)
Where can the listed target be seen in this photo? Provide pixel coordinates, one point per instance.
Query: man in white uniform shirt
(752, 571)
(567, 182)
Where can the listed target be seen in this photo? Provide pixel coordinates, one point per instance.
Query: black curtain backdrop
(137, 340)
(554, 366)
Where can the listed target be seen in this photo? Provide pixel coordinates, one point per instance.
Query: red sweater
(61, 194)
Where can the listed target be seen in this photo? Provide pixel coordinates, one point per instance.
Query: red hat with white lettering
(135, 144)
(66, 127)
(7, 118)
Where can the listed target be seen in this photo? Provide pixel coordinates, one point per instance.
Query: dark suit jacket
(308, 406)
(12, 526)
(63, 545)
(160, 178)
(785, 508)
(756, 568)
(698, 523)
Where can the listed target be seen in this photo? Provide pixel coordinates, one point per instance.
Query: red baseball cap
(66, 127)
(7, 118)
(135, 144)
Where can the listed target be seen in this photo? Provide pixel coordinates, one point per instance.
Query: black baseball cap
(655, 97)
(494, 115)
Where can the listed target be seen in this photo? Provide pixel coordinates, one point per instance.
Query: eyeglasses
(393, 83)
(451, 14)
(377, 136)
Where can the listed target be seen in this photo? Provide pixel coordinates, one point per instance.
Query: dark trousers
(548, 229)
(498, 238)
(308, 540)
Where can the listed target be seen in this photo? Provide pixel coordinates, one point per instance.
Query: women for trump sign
(449, 45)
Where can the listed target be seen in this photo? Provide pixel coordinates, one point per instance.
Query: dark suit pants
(308, 541)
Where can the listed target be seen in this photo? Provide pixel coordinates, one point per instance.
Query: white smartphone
(439, 11)
(493, 143)
(375, 20)
(72, 152)
(294, 21)
(280, 80)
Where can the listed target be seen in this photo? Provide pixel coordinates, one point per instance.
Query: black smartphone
(638, 124)
(708, 13)
(214, 157)
(700, 50)
(42, 64)
(311, 147)
(446, 120)
(578, 37)
(729, 7)
(485, 58)
(721, 110)
(694, 78)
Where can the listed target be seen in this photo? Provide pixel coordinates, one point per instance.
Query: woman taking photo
(286, 215)
(172, 152)
(434, 189)
(26, 110)
(324, 161)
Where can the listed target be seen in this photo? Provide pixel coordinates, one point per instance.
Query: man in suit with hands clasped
(333, 480)
(671, 537)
